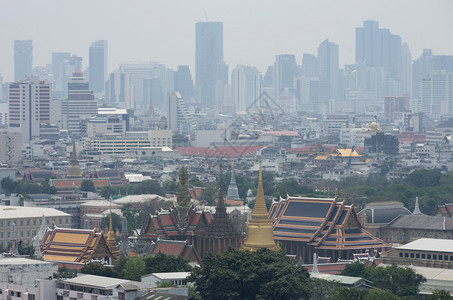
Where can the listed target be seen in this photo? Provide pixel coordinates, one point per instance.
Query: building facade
(210, 69)
(29, 107)
(98, 55)
(23, 59)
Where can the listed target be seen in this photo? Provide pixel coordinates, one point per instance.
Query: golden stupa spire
(110, 234)
(260, 210)
(260, 232)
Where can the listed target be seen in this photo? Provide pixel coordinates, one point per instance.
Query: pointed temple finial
(336, 194)
(260, 232)
(315, 264)
(74, 170)
(110, 234)
(183, 196)
(260, 210)
(417, 208)
(221, 201)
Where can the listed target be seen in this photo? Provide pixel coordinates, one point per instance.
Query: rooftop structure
(327, 226)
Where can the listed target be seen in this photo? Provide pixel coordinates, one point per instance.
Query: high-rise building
(57, 60)
(23, 59)
(329, 72)
(423, 66)
(406, 69)
(377, 47)
(98, 59)
(310, 65)
(29, 106)
(153, 94)
(79, 105)
(210, 69)
(120, 91)
(178, 117)
(437, 94)
(285, 69)
(246, 86)
(183, 82)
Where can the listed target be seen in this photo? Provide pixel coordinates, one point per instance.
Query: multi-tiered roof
(324, 223)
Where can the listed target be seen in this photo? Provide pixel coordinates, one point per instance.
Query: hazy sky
(254, 31)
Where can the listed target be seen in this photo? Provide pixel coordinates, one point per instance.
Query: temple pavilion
(324, 226)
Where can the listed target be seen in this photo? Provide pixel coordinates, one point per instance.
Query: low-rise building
(424, 252)
(27, 222)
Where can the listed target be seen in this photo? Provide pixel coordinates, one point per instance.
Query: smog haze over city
(254, 31)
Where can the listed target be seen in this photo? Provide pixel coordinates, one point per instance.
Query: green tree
(116, 222)
(356, 269)
(240, 274)
(146, 187)
(134, 268)
(108, 191)
(9, 185)
(291, 187)
(64, 273)
(166, 263)
(424, 178)
(440, 295)
(209, 194)
(87, 186)
(323, 289)
(170, 186)
(401, 281)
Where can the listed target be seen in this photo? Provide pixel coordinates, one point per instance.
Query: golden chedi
(260, 232)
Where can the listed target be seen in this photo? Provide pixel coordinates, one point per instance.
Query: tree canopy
(240, 274)
(401, 281)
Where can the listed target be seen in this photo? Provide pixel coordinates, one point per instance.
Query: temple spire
(110, 234)
(417, 210)
(260, 210)
(260, 232)
(74, 170)
(221, 201)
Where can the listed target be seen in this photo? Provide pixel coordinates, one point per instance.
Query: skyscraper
(79, 105)
(285, 69)
(29, 102)
(23, 59)
(184, 83)
(246, 86)
(98, 65)
(437, 94)
(378, 48)
(210, 69)
(329, 72)
(57, 60)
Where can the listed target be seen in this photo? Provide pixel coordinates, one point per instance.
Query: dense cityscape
(313, 178)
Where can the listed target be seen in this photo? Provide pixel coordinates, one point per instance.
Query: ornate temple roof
(165, 224)
(74, 245)
(176, 248)
(321, 222)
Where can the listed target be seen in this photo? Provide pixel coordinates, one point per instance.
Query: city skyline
(254, 32)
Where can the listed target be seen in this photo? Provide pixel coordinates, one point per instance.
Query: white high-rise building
(178, 117)
(29, 106)
(437, 94)
(246, 86)
(79, 105)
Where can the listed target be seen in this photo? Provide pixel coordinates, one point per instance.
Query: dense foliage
(240, 274)
(401, 281)
(132, 268)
